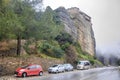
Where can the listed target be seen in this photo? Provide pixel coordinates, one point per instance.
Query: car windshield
(66, 64)
(23, 67)
(54, 65)
(82, 63)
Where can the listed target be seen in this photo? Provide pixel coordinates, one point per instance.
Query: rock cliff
(78, 24)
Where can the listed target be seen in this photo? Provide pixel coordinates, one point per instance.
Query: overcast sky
(105, 19)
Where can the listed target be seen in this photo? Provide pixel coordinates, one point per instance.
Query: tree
(25, 12)
(15, 19)
(6, 20)
(48, 27)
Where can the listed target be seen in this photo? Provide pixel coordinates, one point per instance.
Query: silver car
(83, 65)
(56, 68)
(68, 67)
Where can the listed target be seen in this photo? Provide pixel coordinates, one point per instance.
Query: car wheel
(24, 74)
(55, 72)
(66, 70)
(40, 73)
(49, 72)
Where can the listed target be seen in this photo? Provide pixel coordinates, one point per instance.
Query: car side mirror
(28, 68)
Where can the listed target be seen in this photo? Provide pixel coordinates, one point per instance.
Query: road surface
(106, 73)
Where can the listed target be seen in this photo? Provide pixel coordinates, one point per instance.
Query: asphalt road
(106, 73)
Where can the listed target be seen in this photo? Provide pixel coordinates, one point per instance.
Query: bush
(45, 47)
(58, 52)
(64, 38)
(64, 46)
(52, 50)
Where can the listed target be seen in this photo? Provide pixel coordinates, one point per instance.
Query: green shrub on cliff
(51, 49)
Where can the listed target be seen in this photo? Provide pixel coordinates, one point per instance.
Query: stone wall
(9, 64)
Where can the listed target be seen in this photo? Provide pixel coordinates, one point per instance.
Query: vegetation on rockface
(66, 42)
(52, 49)
(84, 56)
(43, 32)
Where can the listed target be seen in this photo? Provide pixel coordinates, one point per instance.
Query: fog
(109, 55)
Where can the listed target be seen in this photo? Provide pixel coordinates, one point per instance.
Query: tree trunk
(18, 45)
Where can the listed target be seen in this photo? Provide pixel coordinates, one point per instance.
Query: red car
(29, 70)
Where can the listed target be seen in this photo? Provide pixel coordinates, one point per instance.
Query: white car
(83, 65)
(68, 67)
(56, 68)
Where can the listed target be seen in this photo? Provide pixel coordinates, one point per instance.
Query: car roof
(33, 64)
(84, 61)
(66, 64)
(56, 64)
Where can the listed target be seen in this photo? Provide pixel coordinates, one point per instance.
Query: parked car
(56, 68)
(83, 65)
(29, 70)
(68, 67)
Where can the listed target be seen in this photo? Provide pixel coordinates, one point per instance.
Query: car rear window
(54, 65)
(38, 66)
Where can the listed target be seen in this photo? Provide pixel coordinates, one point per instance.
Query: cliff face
(78, 24)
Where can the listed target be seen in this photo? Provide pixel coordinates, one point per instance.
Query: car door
(38, 69)
(67, 67)
(32, 70)
(59, 68)
(62, 68)
(87, 65)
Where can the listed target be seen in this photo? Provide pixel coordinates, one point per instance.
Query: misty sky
(105, 19)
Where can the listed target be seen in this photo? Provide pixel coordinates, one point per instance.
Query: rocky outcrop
(78, 24)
